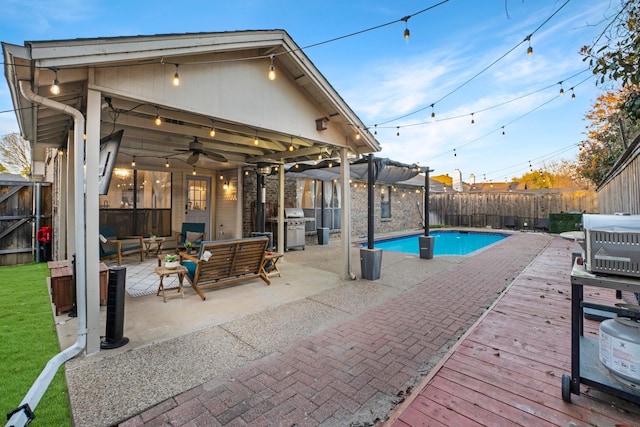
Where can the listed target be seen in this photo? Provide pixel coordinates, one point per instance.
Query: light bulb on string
(529, 49)
(255, 139)
(272, 69)
(472, 119)
(158, 120)
(433, 113)
(291, 145)
(561, 88)
(55, 87)
(194, 171)
(573, 94)
(133, 162)
(375, 129)
(166, 165)
(503, 130)
(212, 131)
(176, 77)
(454, 153)
(398, 131)
(407, 34)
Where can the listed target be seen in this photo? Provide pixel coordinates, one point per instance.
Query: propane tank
(620, 349)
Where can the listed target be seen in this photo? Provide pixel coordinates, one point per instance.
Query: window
(385, 202)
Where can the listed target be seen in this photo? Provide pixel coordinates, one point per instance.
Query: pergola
(126, 83)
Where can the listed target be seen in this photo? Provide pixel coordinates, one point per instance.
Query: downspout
(23, 415)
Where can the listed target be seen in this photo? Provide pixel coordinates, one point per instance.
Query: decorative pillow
(193, 237)
(206, 255)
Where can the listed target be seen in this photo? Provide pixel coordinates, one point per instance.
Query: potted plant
(188, 246)
(153, 236)
(171, 261)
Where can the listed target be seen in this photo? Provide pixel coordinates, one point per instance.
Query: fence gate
(20, 214)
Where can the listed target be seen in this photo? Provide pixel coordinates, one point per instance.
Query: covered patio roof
(223, 86)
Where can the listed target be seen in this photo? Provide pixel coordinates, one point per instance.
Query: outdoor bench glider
(223, 262)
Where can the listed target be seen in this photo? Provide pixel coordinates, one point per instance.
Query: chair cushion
(193, 237)
(191, 268)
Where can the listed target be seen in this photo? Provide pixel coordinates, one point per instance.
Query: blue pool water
(445, 242)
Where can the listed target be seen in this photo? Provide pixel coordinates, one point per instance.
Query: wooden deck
(507, 369)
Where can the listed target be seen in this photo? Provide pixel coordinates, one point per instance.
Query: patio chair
(510, 222)
(114, 246)
(191, 232)
(542, 224)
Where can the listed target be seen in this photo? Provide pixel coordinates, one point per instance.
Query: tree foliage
(607, 128)
(615, 55)
(562, 174)
(15, 154)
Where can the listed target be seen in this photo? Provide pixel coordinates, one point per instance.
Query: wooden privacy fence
(18, 219)
(497, 210)
(620, 190)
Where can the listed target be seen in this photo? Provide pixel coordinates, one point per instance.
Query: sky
(465, 60)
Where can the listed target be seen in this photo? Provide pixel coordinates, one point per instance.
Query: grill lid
(293, 213)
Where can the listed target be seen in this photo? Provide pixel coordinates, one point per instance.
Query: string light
(573, 94)
(272, 69)
(433, 113)
(291, 145)
(503, 130)
(212, 132)
(398, 131)
(55, 87)
(255, 139)
(472, 120)
(194, 171)
(176, 77)
(158, 120)
(375, 130)
(166, 165)
(454, 153)
(133, 162)
(561, 88)
(407, 34)
(529, 49)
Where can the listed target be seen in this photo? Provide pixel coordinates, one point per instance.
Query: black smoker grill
(295, 223)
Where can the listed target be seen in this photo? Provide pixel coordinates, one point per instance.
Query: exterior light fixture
(272, 69)
(212, 131)
(407, 34)
(55, 87)
(176, 77)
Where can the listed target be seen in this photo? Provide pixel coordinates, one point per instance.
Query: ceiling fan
(196, 149)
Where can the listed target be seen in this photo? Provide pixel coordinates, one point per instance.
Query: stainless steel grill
(612, 244)
(294, 228)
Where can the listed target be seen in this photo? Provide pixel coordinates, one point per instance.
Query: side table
(271, 258)
(148, 242)
(166, 272)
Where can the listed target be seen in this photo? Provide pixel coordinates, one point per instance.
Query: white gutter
(24, 413)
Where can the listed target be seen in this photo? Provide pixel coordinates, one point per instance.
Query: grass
(29, 341)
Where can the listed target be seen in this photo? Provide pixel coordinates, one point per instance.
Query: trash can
(370, 263)
(43, 235)
(323, 235)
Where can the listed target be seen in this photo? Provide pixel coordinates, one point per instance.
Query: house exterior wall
(237, 91)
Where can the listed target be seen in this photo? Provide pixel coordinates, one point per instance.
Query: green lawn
(29, 341)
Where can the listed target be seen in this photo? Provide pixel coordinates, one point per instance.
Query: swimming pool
(445, 242)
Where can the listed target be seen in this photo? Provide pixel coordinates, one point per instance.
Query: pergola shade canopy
(385, 170)
(223, 86)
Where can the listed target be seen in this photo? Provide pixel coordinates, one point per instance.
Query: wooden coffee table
(166, 272)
